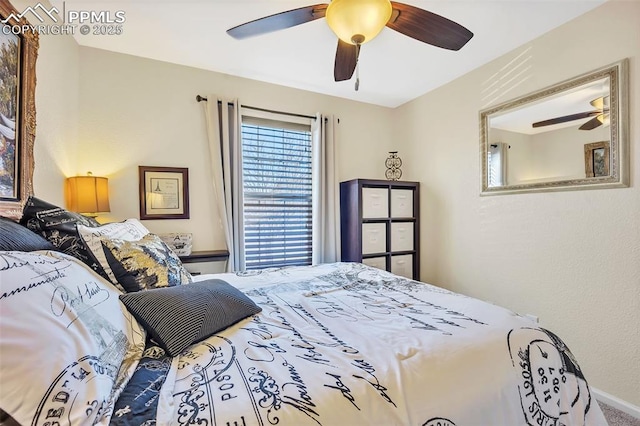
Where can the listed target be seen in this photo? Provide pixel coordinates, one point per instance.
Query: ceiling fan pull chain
(357, 67)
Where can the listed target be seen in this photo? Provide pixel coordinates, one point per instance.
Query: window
(277, 189)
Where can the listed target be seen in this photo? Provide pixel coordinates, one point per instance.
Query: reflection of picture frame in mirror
(596, 159)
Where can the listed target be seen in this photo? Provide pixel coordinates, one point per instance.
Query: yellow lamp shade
(358, 21)
(88, 194)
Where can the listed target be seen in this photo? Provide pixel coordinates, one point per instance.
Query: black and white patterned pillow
(198, 310)
(58, 226)
(144, 264)
(15, 237)
(129, 230)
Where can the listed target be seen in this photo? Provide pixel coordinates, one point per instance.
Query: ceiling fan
(356, 22)
(600, 116)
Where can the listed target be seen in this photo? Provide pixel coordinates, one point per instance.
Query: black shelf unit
(354, 194)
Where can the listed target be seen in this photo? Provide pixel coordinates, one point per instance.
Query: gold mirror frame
(26, 115)
(619, 133)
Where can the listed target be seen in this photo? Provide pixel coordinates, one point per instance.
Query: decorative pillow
(129, 230)
(58, 226)
(15, 237)
(144, 264)
(198, 311)
(68, 345)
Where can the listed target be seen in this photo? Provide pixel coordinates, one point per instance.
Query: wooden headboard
(18, 109)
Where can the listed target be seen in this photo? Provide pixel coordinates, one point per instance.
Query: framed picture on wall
(18, 52)
(164, 192)
(596, 159)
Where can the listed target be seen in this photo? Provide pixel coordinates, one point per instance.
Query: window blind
(277, 185)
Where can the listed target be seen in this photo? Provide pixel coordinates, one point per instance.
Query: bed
(332, 344)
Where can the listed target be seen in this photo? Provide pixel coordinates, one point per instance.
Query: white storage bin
(376, 262)
(401, 203)
(401, 236)
(374, 238)
(375, 203)
(402, 265)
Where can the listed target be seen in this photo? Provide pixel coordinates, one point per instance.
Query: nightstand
(205, 262)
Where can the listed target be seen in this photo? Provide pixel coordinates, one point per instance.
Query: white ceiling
(393, 68)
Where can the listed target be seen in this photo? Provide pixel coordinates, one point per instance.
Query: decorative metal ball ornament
(393, 163)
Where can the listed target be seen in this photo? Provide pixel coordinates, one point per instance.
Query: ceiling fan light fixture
(358, 21)
(604, 119)
(598, 103)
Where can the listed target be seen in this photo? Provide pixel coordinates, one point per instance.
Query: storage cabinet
(379, 222)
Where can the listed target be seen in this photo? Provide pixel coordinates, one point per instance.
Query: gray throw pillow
(177, 317)
(15, 237)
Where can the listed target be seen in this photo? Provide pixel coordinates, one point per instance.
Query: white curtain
(325, 232)
(225, 150)
(497, 159)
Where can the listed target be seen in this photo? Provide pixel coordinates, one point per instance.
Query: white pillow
(68, 345)
(129, 230)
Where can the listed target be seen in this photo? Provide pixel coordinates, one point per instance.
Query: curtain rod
(202, 98)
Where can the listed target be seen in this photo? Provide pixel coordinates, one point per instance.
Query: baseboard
(616, 402)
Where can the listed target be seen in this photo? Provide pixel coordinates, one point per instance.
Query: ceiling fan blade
(593, 123)
(279, 21)
(428, 27)
(566, 118)
(346, 60)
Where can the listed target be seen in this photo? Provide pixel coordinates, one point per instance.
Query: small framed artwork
(164, 192)
(596, 159)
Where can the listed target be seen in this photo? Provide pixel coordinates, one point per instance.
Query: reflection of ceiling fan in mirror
(600, 116)
(358, 21)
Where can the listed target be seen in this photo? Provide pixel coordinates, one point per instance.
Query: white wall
(137, 111)
(573, 258)
(554, 155)
(560, 153)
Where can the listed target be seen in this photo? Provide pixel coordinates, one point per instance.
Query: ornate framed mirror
(572, 135)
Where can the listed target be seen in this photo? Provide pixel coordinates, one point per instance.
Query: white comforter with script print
(345, 344)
